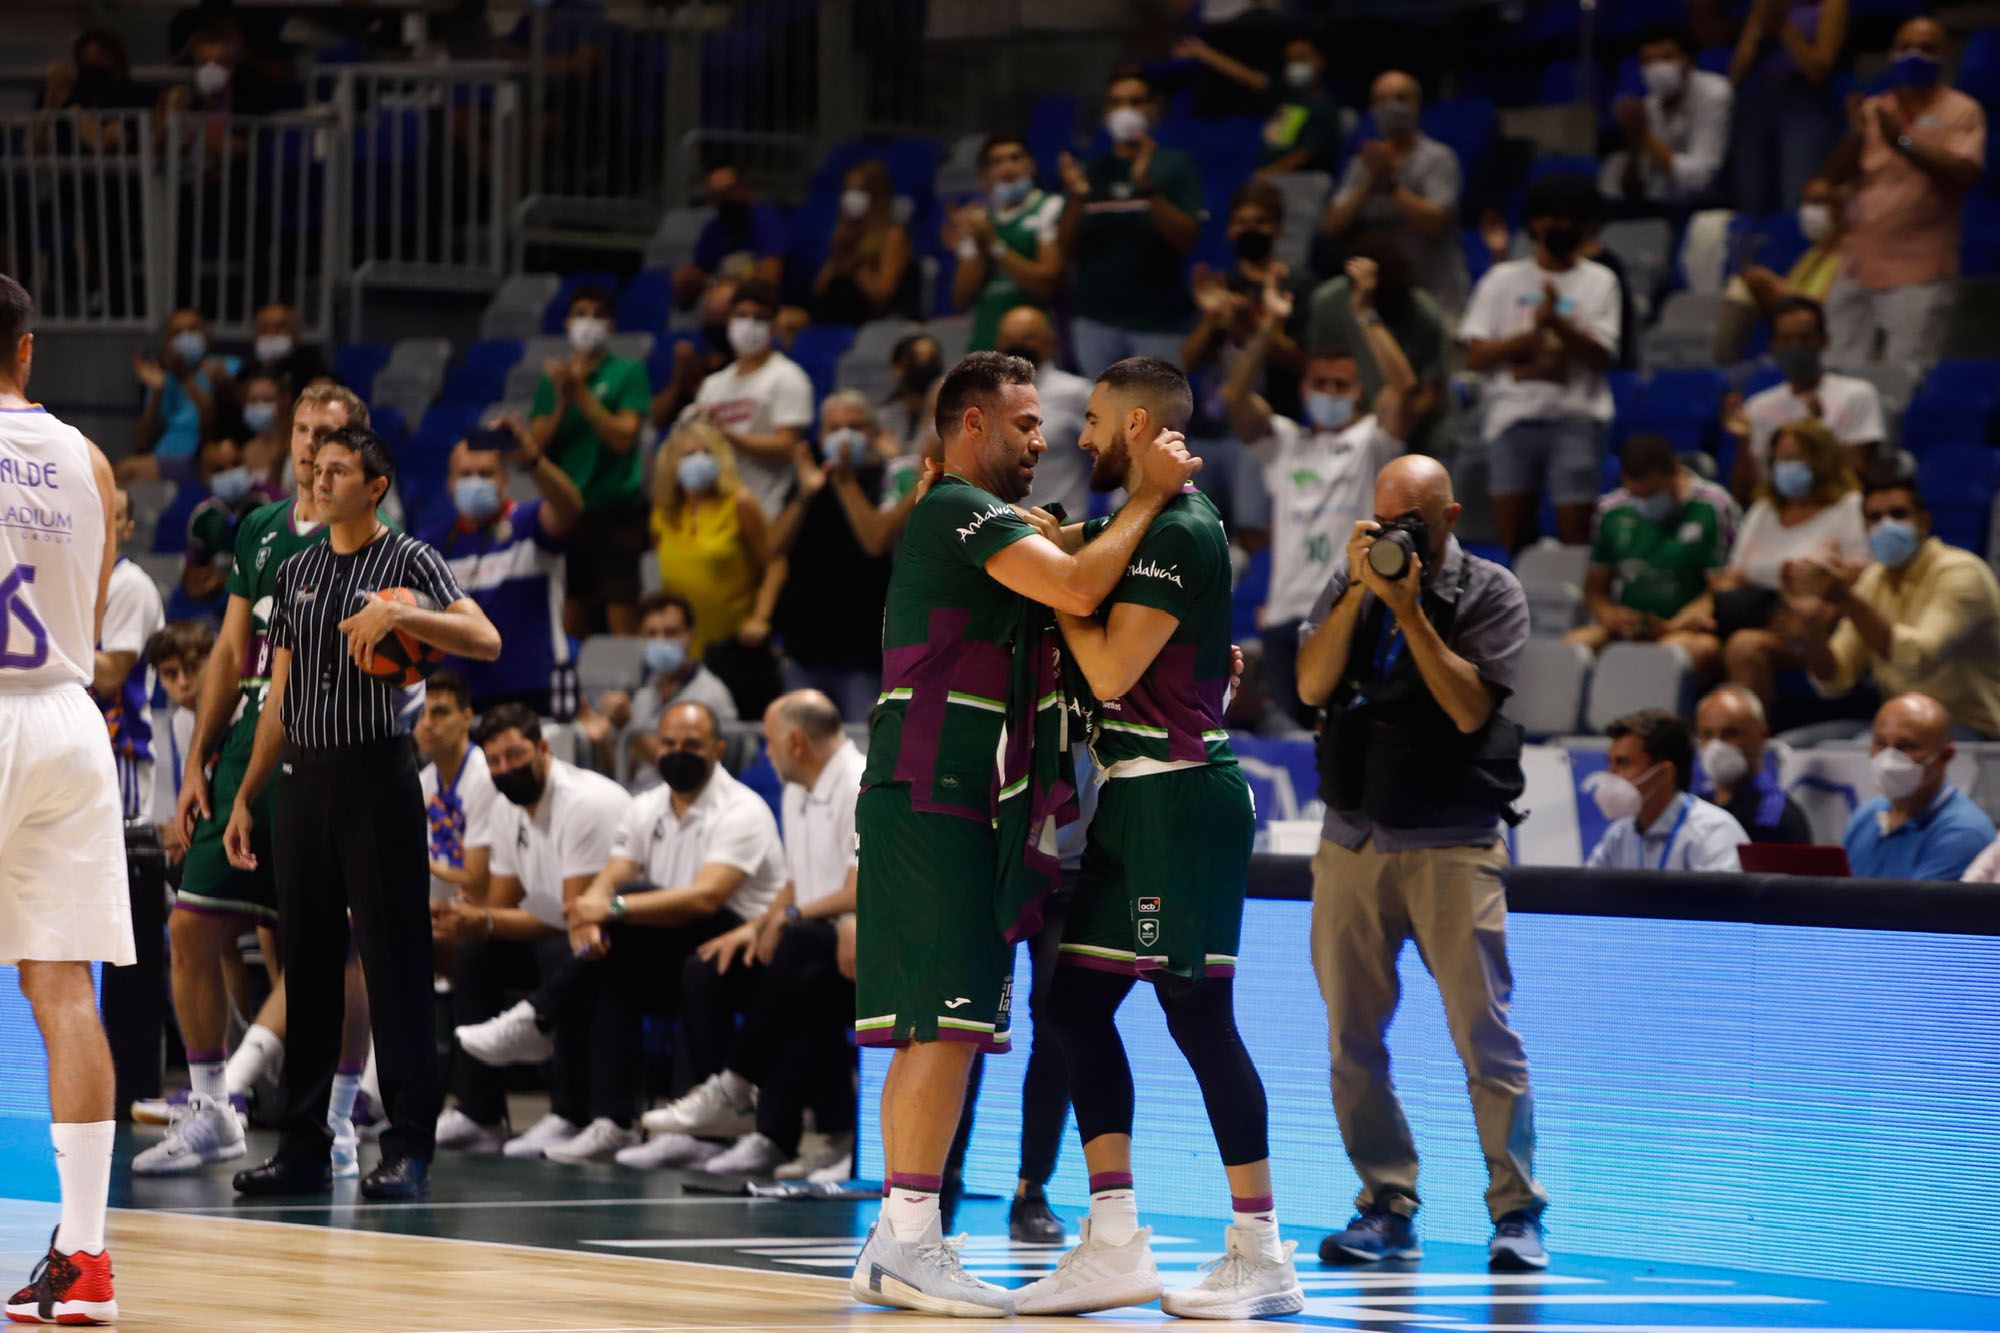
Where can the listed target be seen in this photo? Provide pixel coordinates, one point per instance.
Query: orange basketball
(399, 657)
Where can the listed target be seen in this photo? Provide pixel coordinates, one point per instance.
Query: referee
(349, 834)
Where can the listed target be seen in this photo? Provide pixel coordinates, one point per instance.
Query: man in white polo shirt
(782, 970)
(1851, 407)
(550, 834)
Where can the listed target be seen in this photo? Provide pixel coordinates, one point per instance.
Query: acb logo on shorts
(1149, 932)
(1149, 904)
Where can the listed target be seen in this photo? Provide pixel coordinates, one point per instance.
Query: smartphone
(493, 437)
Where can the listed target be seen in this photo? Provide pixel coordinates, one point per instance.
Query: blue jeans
(1098, 345)
(1784, 132)
(852, 689)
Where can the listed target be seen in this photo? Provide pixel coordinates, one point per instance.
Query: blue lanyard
(1389, 642)
(1687, 804)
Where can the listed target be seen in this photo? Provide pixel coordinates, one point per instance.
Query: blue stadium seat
(912, 163)
(1559, 82)
(1778, 243)
(1958, 484)
(648, 303)
(1964, 378)
(558, 309)
(818, 350)
(1562, 166)
(357, 364)
(389, 424)
(1954, 406)
(1466, 125)
(481, 377)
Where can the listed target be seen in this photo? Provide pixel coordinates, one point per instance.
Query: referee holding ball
(349, 836)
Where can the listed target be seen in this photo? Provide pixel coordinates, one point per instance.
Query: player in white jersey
(63, 901)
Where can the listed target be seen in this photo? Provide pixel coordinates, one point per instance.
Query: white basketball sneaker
(200, 1132)
(927, 1276)
(539, 1137)
(722, 1107)
(1245, 1283)
(1096, 1275)
(751, 1155)
(664, 1150)
(600, 1141)
(510, 1038)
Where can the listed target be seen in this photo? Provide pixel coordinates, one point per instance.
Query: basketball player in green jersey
(216, 900)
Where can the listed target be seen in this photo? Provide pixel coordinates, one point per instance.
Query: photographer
(1418, 767)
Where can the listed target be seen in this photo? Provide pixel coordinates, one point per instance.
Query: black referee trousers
(350, 839)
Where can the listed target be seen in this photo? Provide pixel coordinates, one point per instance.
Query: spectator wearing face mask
(1808, 506)
(1320, 471)
(741, 226)
(279, 350)
(1923, 618)
(916, 364)
(837, 565)
(1007, 245)
(1405, 181)
(1850, 407)
(550, 831)
(209, 510)
(867, 273)
(1063, 475)
(509, 558)
(1914, 153)
(97, 77)
(761, 401)
(1675, 136)
(179, 385)
(695, 360)
(1303, 132)
(1921, 826)
(587, 412)
(1414, 319)
(1231, 302)
(267, 431)
(1133, 215)
(1656, 822)
(1542, 331)
(673, 674)
(1738, 774)
(1786, 120)
(1654, 542)
(712, 539)
(223, 81)
(1756, 291)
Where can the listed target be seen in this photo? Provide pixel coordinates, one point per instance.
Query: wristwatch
(792, 915)
(1904, 143)
(617, 906)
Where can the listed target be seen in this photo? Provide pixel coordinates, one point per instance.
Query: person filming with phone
(1412, 649)
(508, 555)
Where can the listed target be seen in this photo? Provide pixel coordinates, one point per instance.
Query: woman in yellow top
(1755, 291)
(710, 533)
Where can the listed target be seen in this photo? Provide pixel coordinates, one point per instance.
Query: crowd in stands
(724, 506)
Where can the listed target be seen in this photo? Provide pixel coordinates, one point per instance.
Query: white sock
(1114, 1215)
(911, 1214)
(1259, 1218)
(209, 1082)
(83, 1164)
(738, 1087)
(340, 1107)
(260, 1049)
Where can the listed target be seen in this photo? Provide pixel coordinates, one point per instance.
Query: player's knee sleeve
(1201, 1017)
(1083, 1011)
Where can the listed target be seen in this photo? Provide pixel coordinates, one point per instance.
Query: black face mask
(520, 785)
(1561, 239)
(682, 771)
(1031, 355)
(1254, 246)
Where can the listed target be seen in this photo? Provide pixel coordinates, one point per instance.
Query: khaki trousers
(1450, 900)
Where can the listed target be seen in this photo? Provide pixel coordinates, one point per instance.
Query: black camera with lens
(1396, 544)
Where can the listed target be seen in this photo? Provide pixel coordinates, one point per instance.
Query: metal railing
(252, 213)
(78, 194)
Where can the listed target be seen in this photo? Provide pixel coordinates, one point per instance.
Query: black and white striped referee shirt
(329, 701)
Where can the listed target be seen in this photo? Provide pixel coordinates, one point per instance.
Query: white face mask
(1125, 123)
(211, 78)
(1663, 78)
(273, 347)
(1723, 762)
(1896, 773)
(1618, 797)
(1816, 221)
(748, 336)
(588, 333)
(854, 204)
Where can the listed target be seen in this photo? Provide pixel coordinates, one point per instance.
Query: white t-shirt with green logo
(1321, 482)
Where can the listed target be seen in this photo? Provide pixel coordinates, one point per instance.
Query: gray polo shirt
(1431, 171)
(1490, 630)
